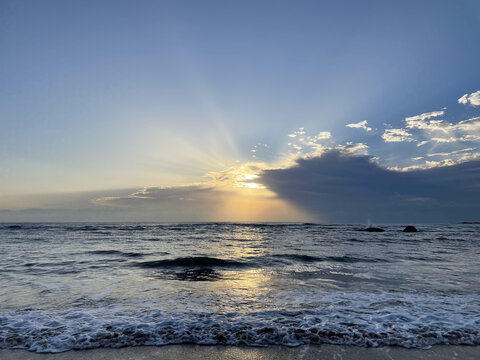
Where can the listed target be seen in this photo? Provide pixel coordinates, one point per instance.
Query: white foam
(361, 319)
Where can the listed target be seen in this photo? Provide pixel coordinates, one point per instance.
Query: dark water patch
(305, 259)
(356, 240)
(68, 271)
(132, 228)
(352, 259)
(174, 228)
(82, 228)
(30, 226)
(422, 258)
(340, 259)
(47, 264)
(116, 253)
(202, 261)
(298, 257)
(14, 227)
(153, 239)
(199, 274)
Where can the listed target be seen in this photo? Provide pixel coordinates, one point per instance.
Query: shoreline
(277, 352)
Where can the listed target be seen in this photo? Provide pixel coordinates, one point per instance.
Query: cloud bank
(344, 187)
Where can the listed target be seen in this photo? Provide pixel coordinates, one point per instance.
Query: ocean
(83, 286)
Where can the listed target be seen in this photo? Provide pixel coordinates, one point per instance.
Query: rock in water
(374, 229)
(410, 228)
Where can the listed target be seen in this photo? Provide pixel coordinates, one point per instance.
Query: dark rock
(410, 228)
(374, 229)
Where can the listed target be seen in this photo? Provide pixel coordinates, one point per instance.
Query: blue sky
(97, 96)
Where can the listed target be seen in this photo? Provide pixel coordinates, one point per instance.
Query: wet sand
(188, 352)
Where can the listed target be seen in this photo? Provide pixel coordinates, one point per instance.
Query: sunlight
(244, 181)
(253, 186)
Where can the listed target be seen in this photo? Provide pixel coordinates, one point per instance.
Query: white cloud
(463, 100)
(421, 121)
(475, 138)
(396, 135)
(445, 140)
(300, 131)
(323, 135)
(425, 129)
(439, 154)
(353, 148)
(472, 99)
(360, 125)
(470, 124)
(425, 116)
(303, 144)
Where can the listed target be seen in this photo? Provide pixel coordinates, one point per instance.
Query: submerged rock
(374, 229)
(410, 228)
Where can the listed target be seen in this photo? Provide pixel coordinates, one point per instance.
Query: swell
(200, 261)
(255, 261)
(116, 253)
(337, 259)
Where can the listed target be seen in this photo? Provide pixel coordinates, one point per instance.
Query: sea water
(82, 286)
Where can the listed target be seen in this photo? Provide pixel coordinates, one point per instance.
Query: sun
(245, 181)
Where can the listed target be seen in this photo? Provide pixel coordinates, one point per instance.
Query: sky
(325, 111)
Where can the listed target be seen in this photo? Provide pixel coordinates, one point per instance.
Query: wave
(359, 319)
(116, 253)
(353, 259)
(298, 257)
(340, 259)
(201, 274)
(201, 261)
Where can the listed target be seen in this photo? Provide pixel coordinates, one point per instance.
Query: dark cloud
(342, 187)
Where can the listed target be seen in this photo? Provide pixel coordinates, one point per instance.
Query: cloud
(396, 135)
(426, 128)
(424, 116)
(360, 125)
(323, 135)
(441, 131)
(352, 148)
(203, 202)
(472, 124)
(299, 132)
(472, 99)
(342, 187)
(304, 144)
(445, 140)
